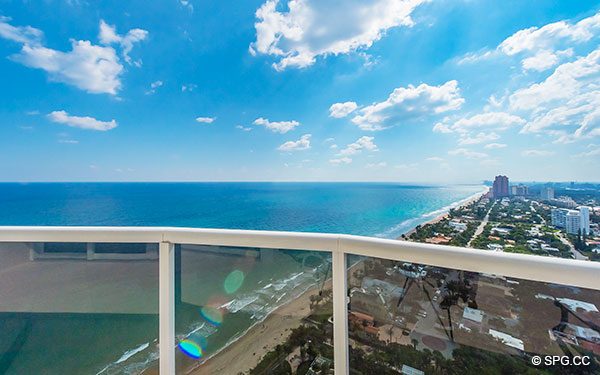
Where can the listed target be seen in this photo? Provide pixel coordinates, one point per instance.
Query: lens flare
(190, 348)
(233, 281)
(213, 315)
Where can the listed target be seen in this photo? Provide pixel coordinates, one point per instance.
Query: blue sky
(354, 90)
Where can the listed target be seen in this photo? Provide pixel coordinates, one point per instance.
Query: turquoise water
(374, 209)
(117, 343)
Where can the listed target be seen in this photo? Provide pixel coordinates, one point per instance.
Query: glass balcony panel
(417, 319)
(76, 308)
(247, 309)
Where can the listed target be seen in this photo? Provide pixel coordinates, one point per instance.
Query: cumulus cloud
(493, 146)
(547, 36)
(243, 128)
(490, 120)
(281, 127)
(205, 120)
(537, 153)
(302, 144)
(362, 143)
(342, 160)
(478, 138)
(339, 110)
(92, 68)
(567, 99)
(307, 29)
(153, 86)
(88, 123)
(20, 34)
(409, 103)
(379, 165)
(469, 154)
(108, 35)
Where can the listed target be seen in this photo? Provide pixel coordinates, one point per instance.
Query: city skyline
(409, 91)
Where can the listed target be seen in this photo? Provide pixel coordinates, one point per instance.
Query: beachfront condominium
(500, 187)
(547, 193)
(573, 221)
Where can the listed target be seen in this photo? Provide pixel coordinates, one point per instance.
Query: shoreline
(462, 203)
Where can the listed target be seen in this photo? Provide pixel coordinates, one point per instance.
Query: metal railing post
(166, 310)
(340, 311)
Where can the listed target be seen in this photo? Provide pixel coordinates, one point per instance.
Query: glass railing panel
(416, 319)
(78, 308)
(251, 310)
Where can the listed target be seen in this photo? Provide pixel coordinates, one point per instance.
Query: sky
(440, 91)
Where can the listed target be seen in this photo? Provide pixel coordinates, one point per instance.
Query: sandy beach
(246, 353)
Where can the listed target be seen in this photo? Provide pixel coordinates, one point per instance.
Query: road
(482, 225)
(575, 253)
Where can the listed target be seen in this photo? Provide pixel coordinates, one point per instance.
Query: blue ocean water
(375, 209)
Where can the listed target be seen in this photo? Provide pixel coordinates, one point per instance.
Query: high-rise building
(584, 219)
(519, 190)
(547, 193)
(500, 187)
(559, 217)
(573, 222)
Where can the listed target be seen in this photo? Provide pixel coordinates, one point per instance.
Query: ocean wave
(407, 225)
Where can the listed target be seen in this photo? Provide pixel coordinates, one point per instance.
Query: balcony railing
(573, 273)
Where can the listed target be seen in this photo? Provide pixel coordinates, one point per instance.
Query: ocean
(124, 342)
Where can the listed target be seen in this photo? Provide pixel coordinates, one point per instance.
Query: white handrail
(529, 267)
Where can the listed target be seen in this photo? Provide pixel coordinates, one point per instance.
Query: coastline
(245, 353)
(443, 215)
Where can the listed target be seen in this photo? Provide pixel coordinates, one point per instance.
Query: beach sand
(245, 353)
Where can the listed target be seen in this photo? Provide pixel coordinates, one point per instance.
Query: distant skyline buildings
(500, 187)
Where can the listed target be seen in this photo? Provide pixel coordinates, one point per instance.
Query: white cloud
(302, 144)
(379, 165)
(493, 146)
(20, 34)
(468, 153)
(342, 160)
(88, 123)
(68, 141)
(547, 36)
(537, 153)
(477, 139)
(153, 86)
(93, 68)
(434, 158)
(594, 150)
(333, 146)
(189, 87)
(312, 28)
(243, 128)
(205, 120)
(363, 143)
(494, 120)
(281, 127)
(409, 103)
(565, 82)
(187, 4)
(108, 35)
(339, 110)
(541, 61)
